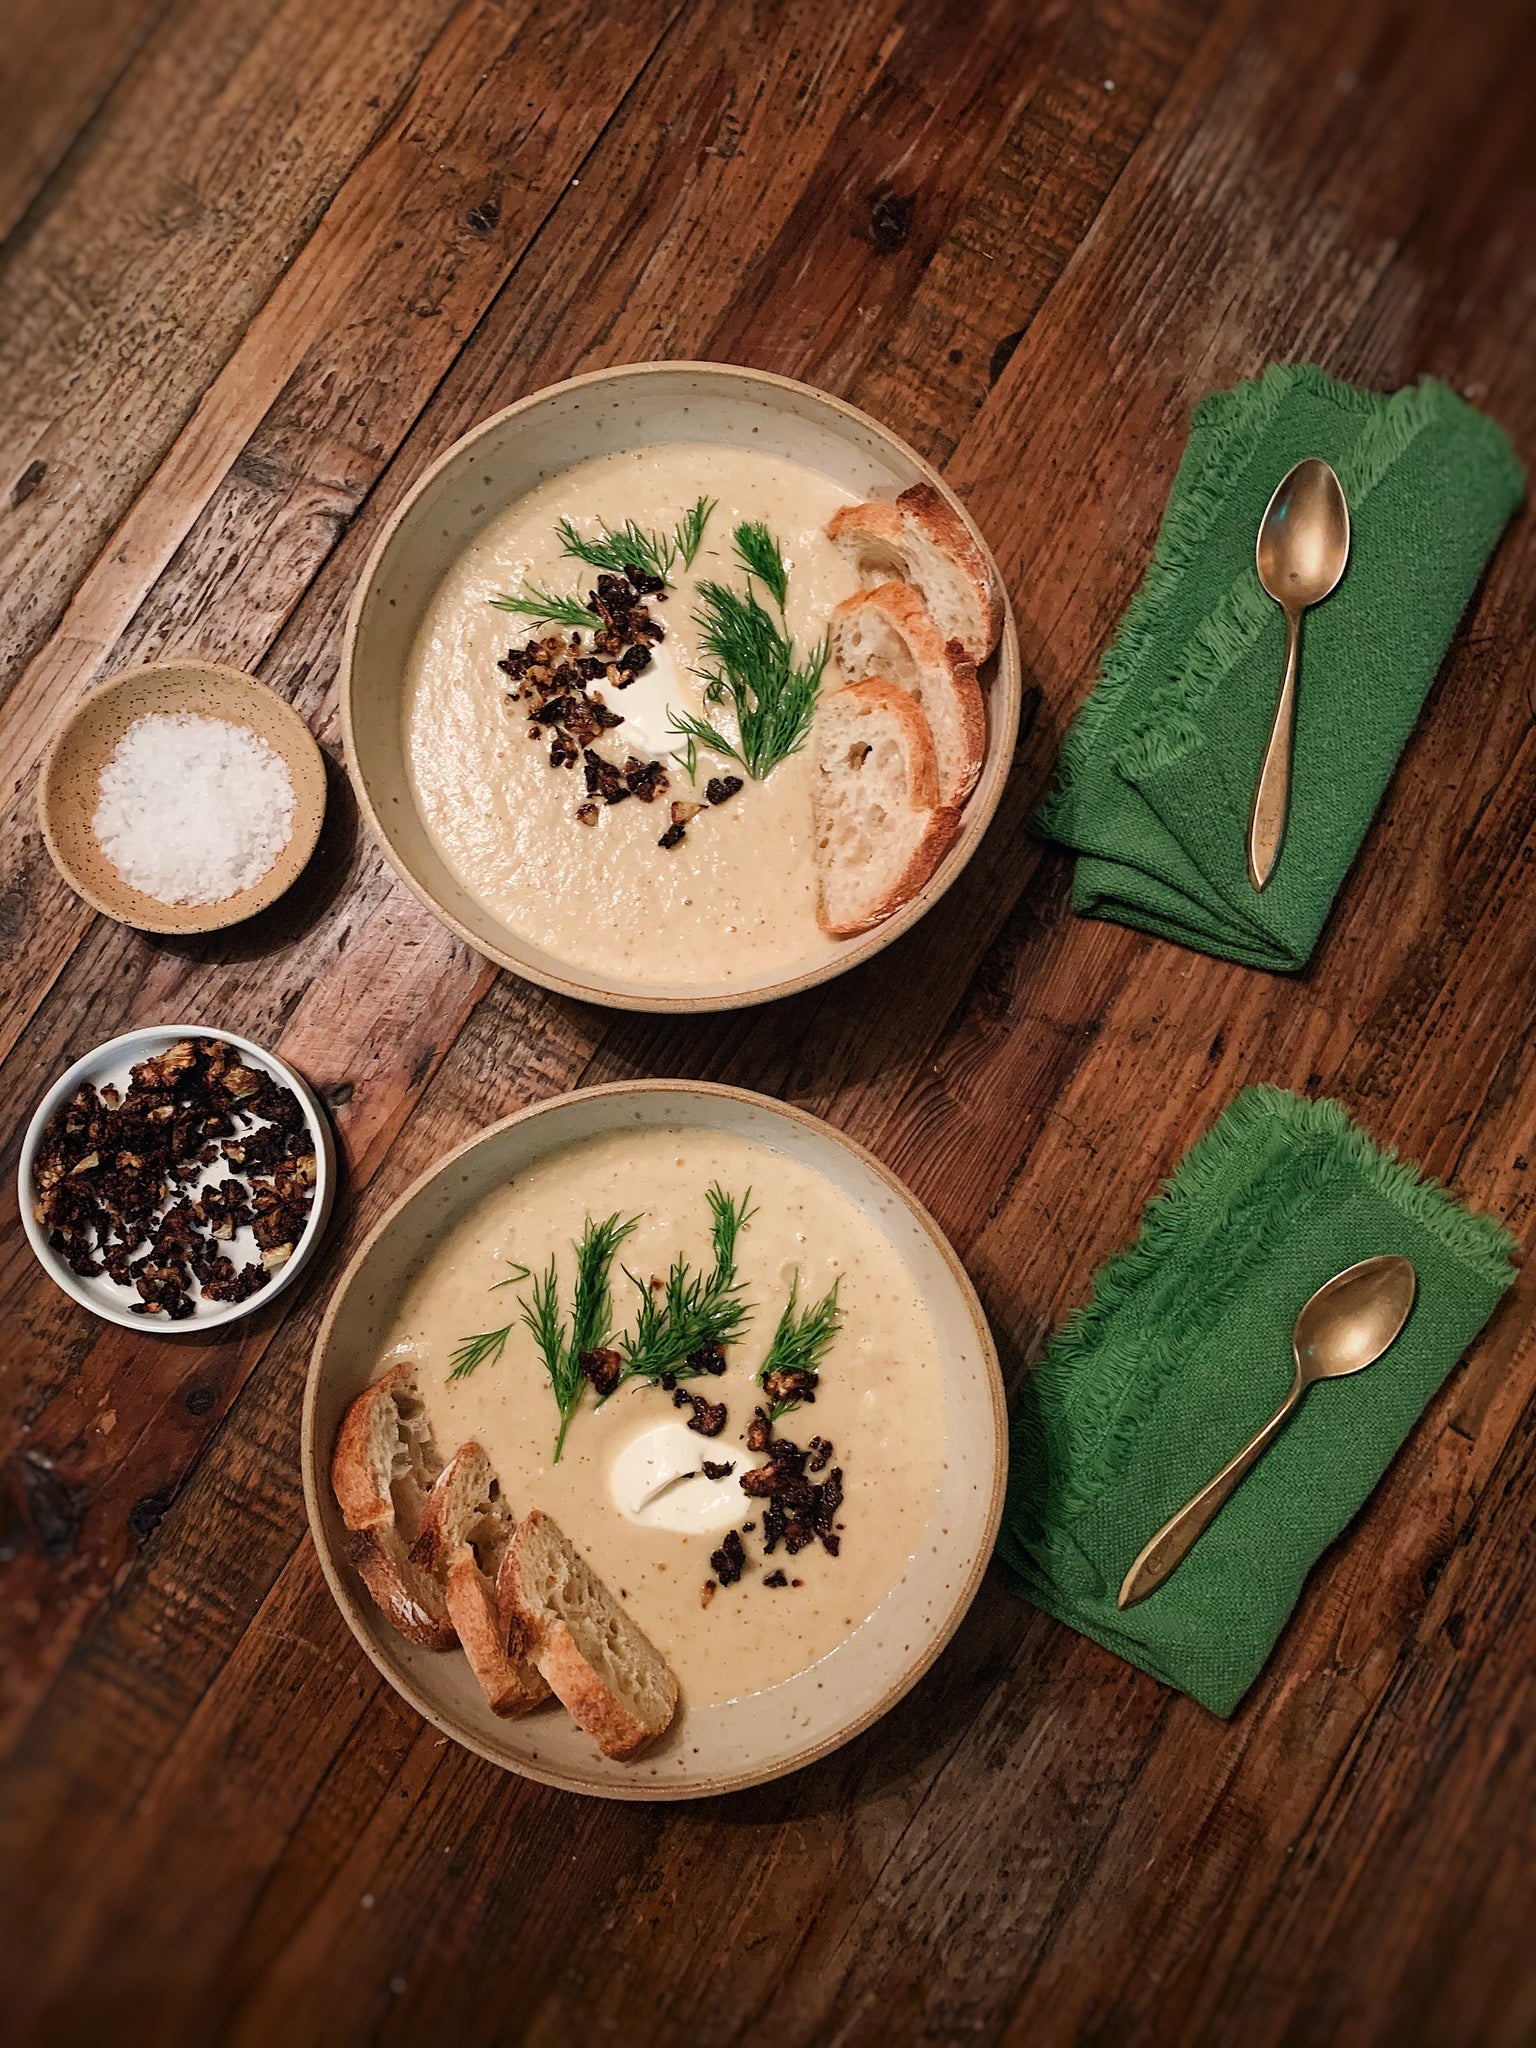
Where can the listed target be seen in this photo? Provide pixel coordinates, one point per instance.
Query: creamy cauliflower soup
(573, 790)
(738, 1589)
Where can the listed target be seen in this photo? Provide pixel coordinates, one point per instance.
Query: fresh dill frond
(688, 759)
(691, 1310)
(517, 1273)
(592, 1310)
(689, 531)
(548, 607)
(800, 1343)
(752, 663)
(591, 1314)
(631, 546)
(758, 553)
(698, 732)
(470, 1352)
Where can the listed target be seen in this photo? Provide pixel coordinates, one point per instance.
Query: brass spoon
(1303, 547)
(1346, 1326)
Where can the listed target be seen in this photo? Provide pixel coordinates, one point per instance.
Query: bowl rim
(315, 1471)
(113, 1051)
(1004, 706)
(263, 893)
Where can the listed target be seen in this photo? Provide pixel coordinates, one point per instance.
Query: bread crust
(410, 1600)
(354, 1479)
(943, 821)
(924, 512)
(931, 510)
(512, 1684)
(943, 665)
(929, 851)
(581, 1690)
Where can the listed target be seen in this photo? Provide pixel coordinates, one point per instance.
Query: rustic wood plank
(231, 130)
(58, 61)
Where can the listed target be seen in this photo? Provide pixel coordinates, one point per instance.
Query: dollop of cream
(646, 706)
(657, 1479)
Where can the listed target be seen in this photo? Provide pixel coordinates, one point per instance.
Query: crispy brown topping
(603, 1367)
(791, 1386)
(673, 836)
(730, 1560)
(707, 1592)
(777, 1579)
(708, 1358)
(721, 788)
(759, 1430)
(708, 1416)
(712, 1471)
(682, 813)
(587, 814)
(110, 1166)
(646, 779)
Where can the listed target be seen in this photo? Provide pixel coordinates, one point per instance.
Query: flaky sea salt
(193, 809)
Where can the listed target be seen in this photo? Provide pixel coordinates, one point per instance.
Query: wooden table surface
(267, 258)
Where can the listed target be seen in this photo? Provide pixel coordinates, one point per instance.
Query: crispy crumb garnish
(110, 1177)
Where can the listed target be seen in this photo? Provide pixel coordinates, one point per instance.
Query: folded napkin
(1186, 1348)
(1156, 777)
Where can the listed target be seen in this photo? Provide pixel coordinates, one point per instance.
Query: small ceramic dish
(111, 1063)
(490, 470)
(745, 1741)
(69, 786)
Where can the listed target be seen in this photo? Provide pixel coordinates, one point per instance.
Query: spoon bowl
(1304, 536)
(1353, 1318)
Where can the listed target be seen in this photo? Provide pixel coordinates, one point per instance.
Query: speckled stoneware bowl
(113, 1062)
(69, 787)
(490, 470)
(764, 1735)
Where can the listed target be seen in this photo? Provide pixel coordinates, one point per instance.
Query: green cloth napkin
(1156, 776)
(1186, 1348)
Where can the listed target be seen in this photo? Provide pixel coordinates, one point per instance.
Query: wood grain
(1029, 237)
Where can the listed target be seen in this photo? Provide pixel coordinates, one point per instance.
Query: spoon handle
(1177, 1537)
(1272, 791)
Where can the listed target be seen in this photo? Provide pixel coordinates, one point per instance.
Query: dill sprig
(548, 607)
(591, 1314)
(691, 1310)
(618, 548)
(801, 1342)
(470, 1352)
(753, 665)
(517, 1273)
(758, 553)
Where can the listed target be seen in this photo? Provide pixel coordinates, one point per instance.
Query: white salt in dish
(202, 851)
(193, 809)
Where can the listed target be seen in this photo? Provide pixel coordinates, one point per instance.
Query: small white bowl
(111, 1062)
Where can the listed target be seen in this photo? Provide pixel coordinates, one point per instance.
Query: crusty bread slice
(382, 1470)
(385, 1461)
(880, 829)
(920, 540)
(466, 1527)
(611, 1679)
(889, 632)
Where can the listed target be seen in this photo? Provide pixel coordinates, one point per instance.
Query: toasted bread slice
(880, 829)
(920, 540)
(382, 1470)
(889, 632)
(611, 1679)
(466, 1527)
